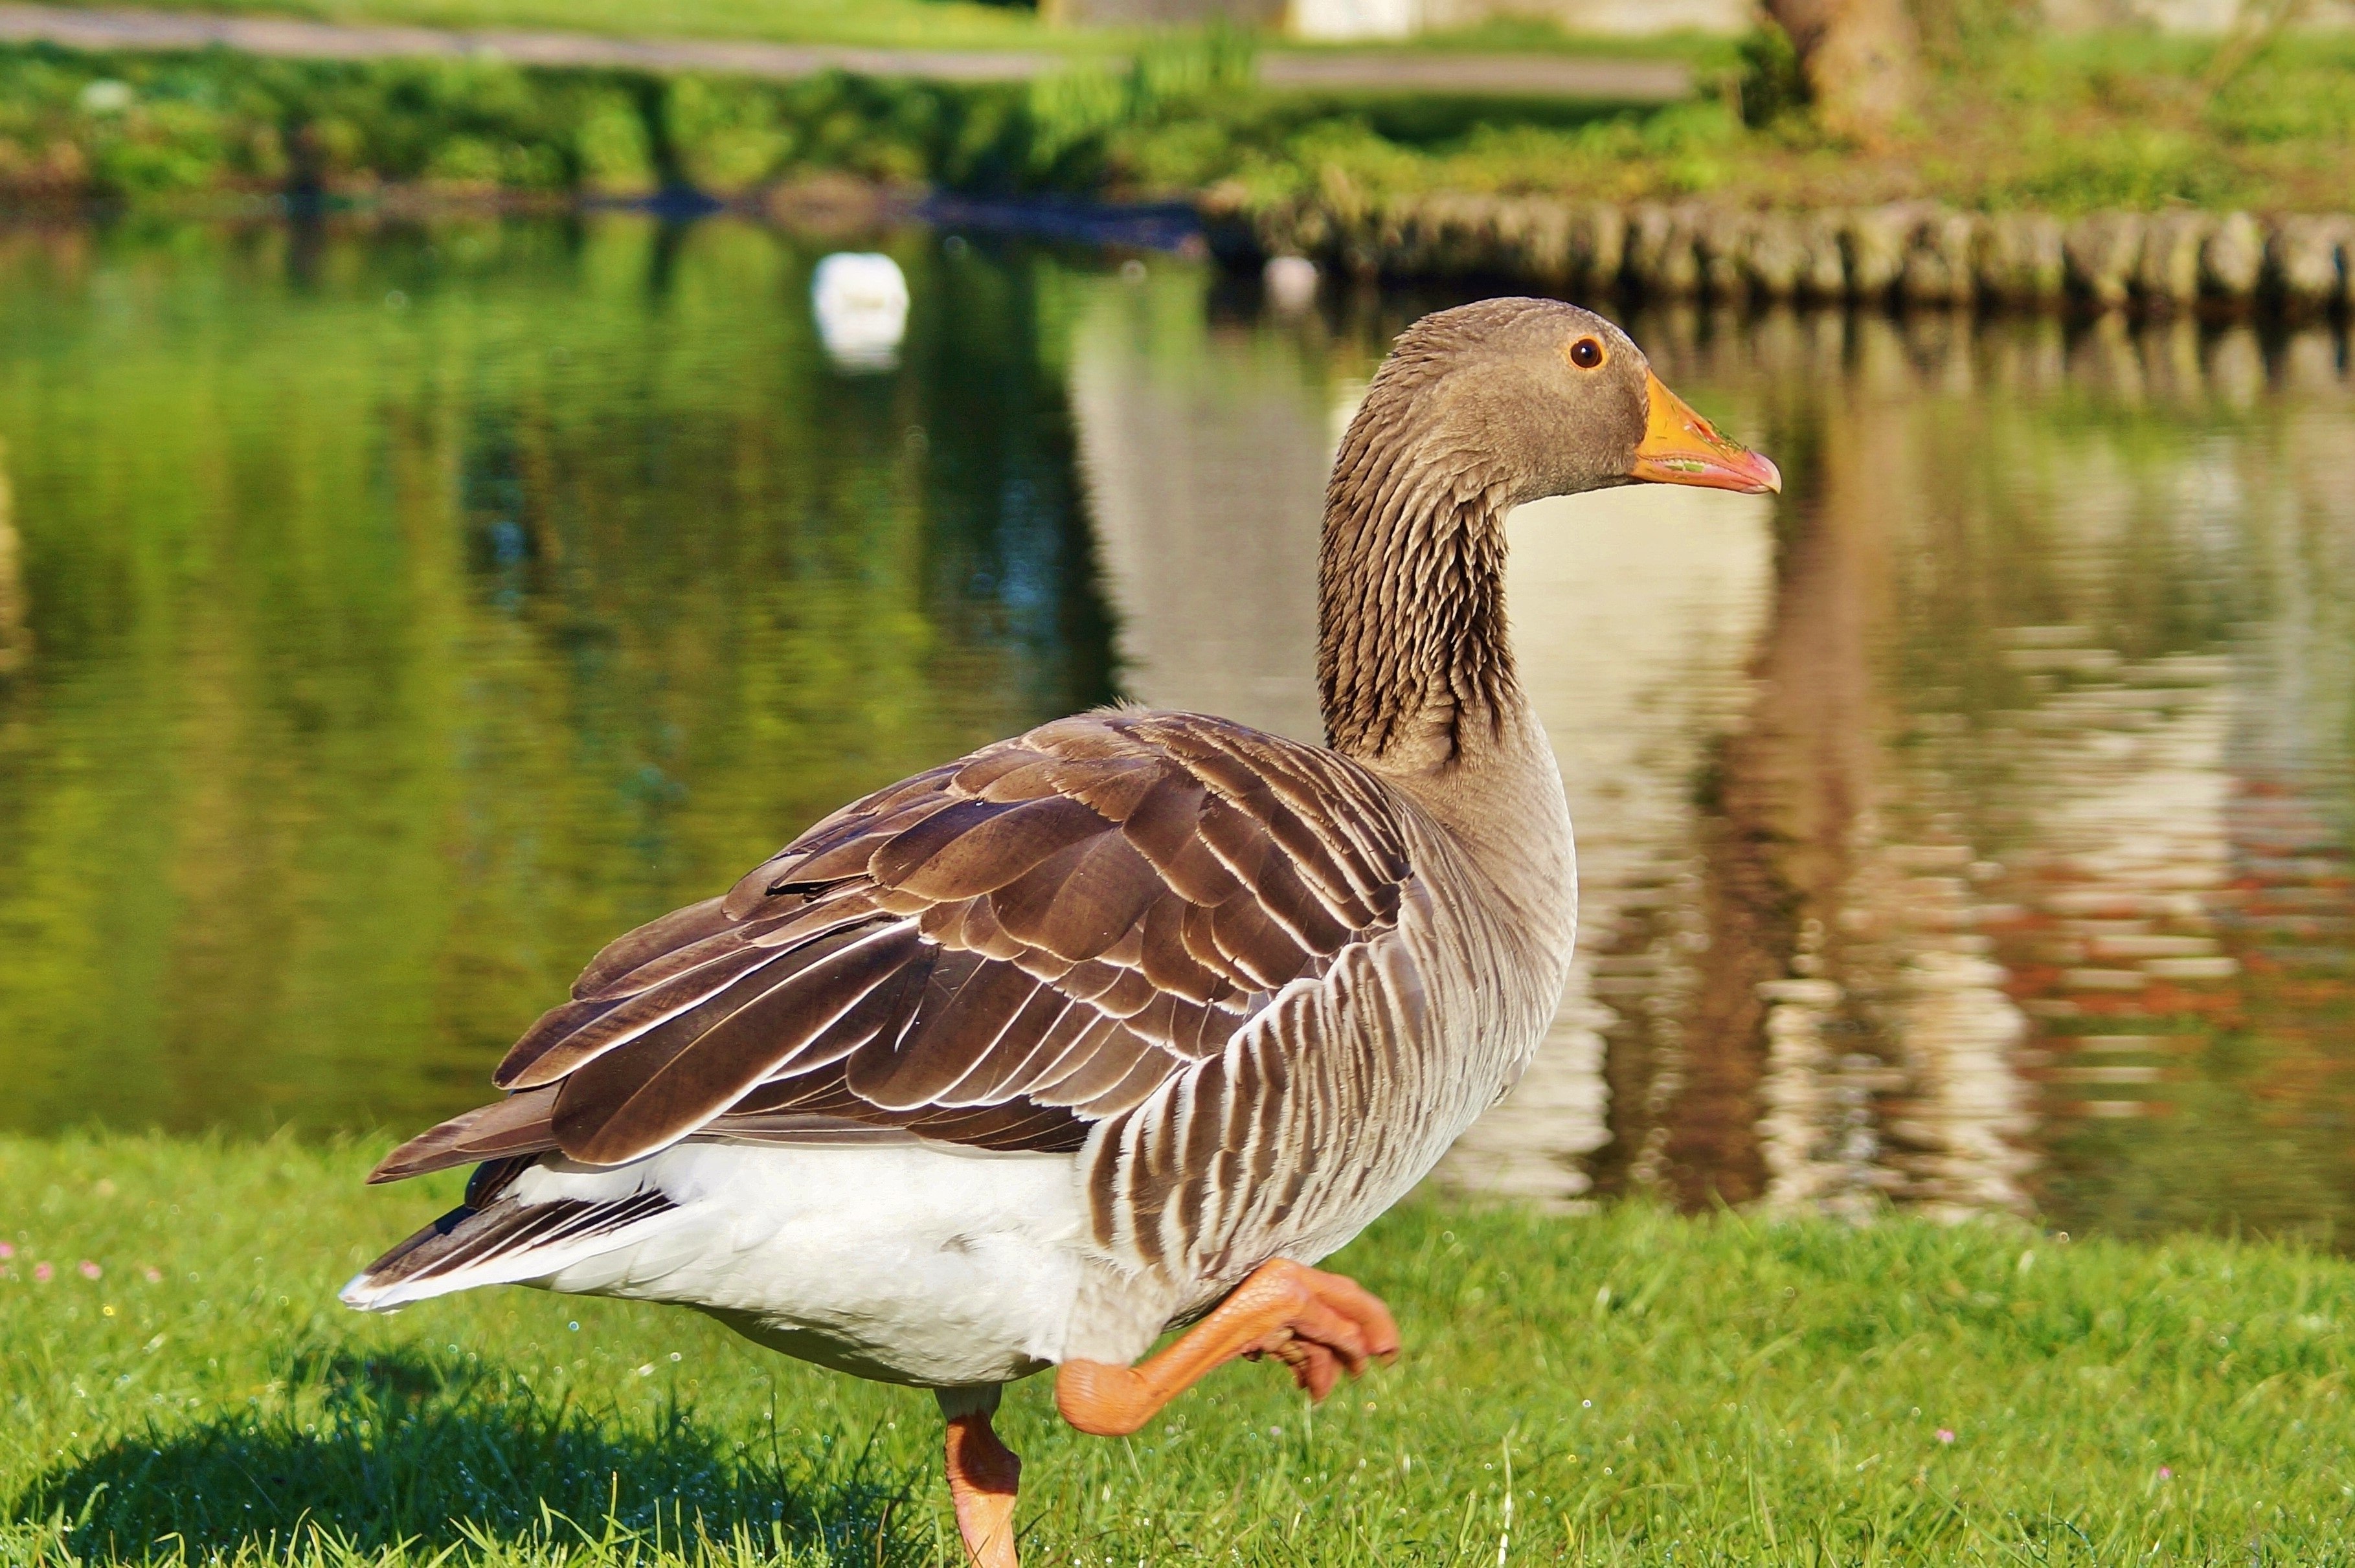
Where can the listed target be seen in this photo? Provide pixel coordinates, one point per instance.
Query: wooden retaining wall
(1916, 253)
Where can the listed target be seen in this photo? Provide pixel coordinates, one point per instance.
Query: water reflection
(1204, 447)
(1967, 829)
(1930, 821)
(413, 617)
(15, 640)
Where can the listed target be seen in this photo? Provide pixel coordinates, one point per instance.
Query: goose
(1121, 1024)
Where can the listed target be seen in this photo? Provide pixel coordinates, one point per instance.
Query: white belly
(905, 1262)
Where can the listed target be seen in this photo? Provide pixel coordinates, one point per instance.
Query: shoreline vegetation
(193, 134)
(2112, 169)
(1614, 1387)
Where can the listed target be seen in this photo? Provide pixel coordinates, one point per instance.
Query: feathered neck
(1414, 672)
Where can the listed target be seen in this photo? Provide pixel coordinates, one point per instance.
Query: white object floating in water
(1291, 282)
(860, 298)
(106, 96)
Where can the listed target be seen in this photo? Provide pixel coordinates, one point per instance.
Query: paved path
(1521, 75)
(111, 27)
(121, 28)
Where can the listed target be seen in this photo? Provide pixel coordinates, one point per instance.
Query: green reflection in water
(409, 614)
(393, 618)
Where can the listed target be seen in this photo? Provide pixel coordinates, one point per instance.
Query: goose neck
(1414, 668)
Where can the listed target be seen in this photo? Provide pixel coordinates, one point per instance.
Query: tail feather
(521, 1126)
(518, 1125)
(507, 1241)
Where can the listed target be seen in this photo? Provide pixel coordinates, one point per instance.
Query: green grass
(2061, 124)
(1642, 1388)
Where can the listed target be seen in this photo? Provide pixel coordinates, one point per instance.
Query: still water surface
(387, 618)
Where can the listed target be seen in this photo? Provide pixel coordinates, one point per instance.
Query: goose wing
(1003, 953)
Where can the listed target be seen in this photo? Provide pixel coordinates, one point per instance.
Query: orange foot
(1319, 1324)
(982, 1476)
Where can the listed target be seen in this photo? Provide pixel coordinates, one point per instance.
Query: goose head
(1531, 398)
(1477, 410)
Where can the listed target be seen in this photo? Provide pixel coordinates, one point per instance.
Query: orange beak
(1679, 447)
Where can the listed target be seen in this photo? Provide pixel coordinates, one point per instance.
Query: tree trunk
(1859, 58)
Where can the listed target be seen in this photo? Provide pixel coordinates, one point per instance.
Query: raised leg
(1319, 1324)
(983, 1475)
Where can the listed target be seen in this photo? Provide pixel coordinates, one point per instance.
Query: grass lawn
(2064, 124)
(179, 1384)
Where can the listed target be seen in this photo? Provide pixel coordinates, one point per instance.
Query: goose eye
(1586, 353)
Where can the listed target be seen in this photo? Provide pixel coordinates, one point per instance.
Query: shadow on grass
(397, 1448)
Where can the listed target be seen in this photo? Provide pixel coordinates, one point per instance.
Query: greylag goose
(1122, 1023)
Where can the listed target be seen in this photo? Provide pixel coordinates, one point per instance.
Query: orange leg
(983, 1474)
(1319, 1324)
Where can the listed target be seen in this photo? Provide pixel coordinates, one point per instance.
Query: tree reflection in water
(415, 607)
(420, 606)
(1967, 830)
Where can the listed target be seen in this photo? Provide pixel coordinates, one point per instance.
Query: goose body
(1130, 1128)
(1121, 1023)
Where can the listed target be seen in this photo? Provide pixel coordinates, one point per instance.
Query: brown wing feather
(1005, 952)
(626, 1104)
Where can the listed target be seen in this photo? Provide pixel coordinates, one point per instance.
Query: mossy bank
(1623, 1387)
(2010, 122)
(1919, 254)
(183, 129)
(75, 127)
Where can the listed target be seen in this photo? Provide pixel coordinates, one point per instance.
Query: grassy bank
(2057, 125)
(161, 128)
(2062, 127)
(180, 1385)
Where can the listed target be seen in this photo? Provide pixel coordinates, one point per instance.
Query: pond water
(390, 616)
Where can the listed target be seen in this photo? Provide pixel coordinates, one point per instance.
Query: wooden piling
(2301, 265)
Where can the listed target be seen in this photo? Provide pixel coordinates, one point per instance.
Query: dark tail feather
(507, 1242)
(518, 1125)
